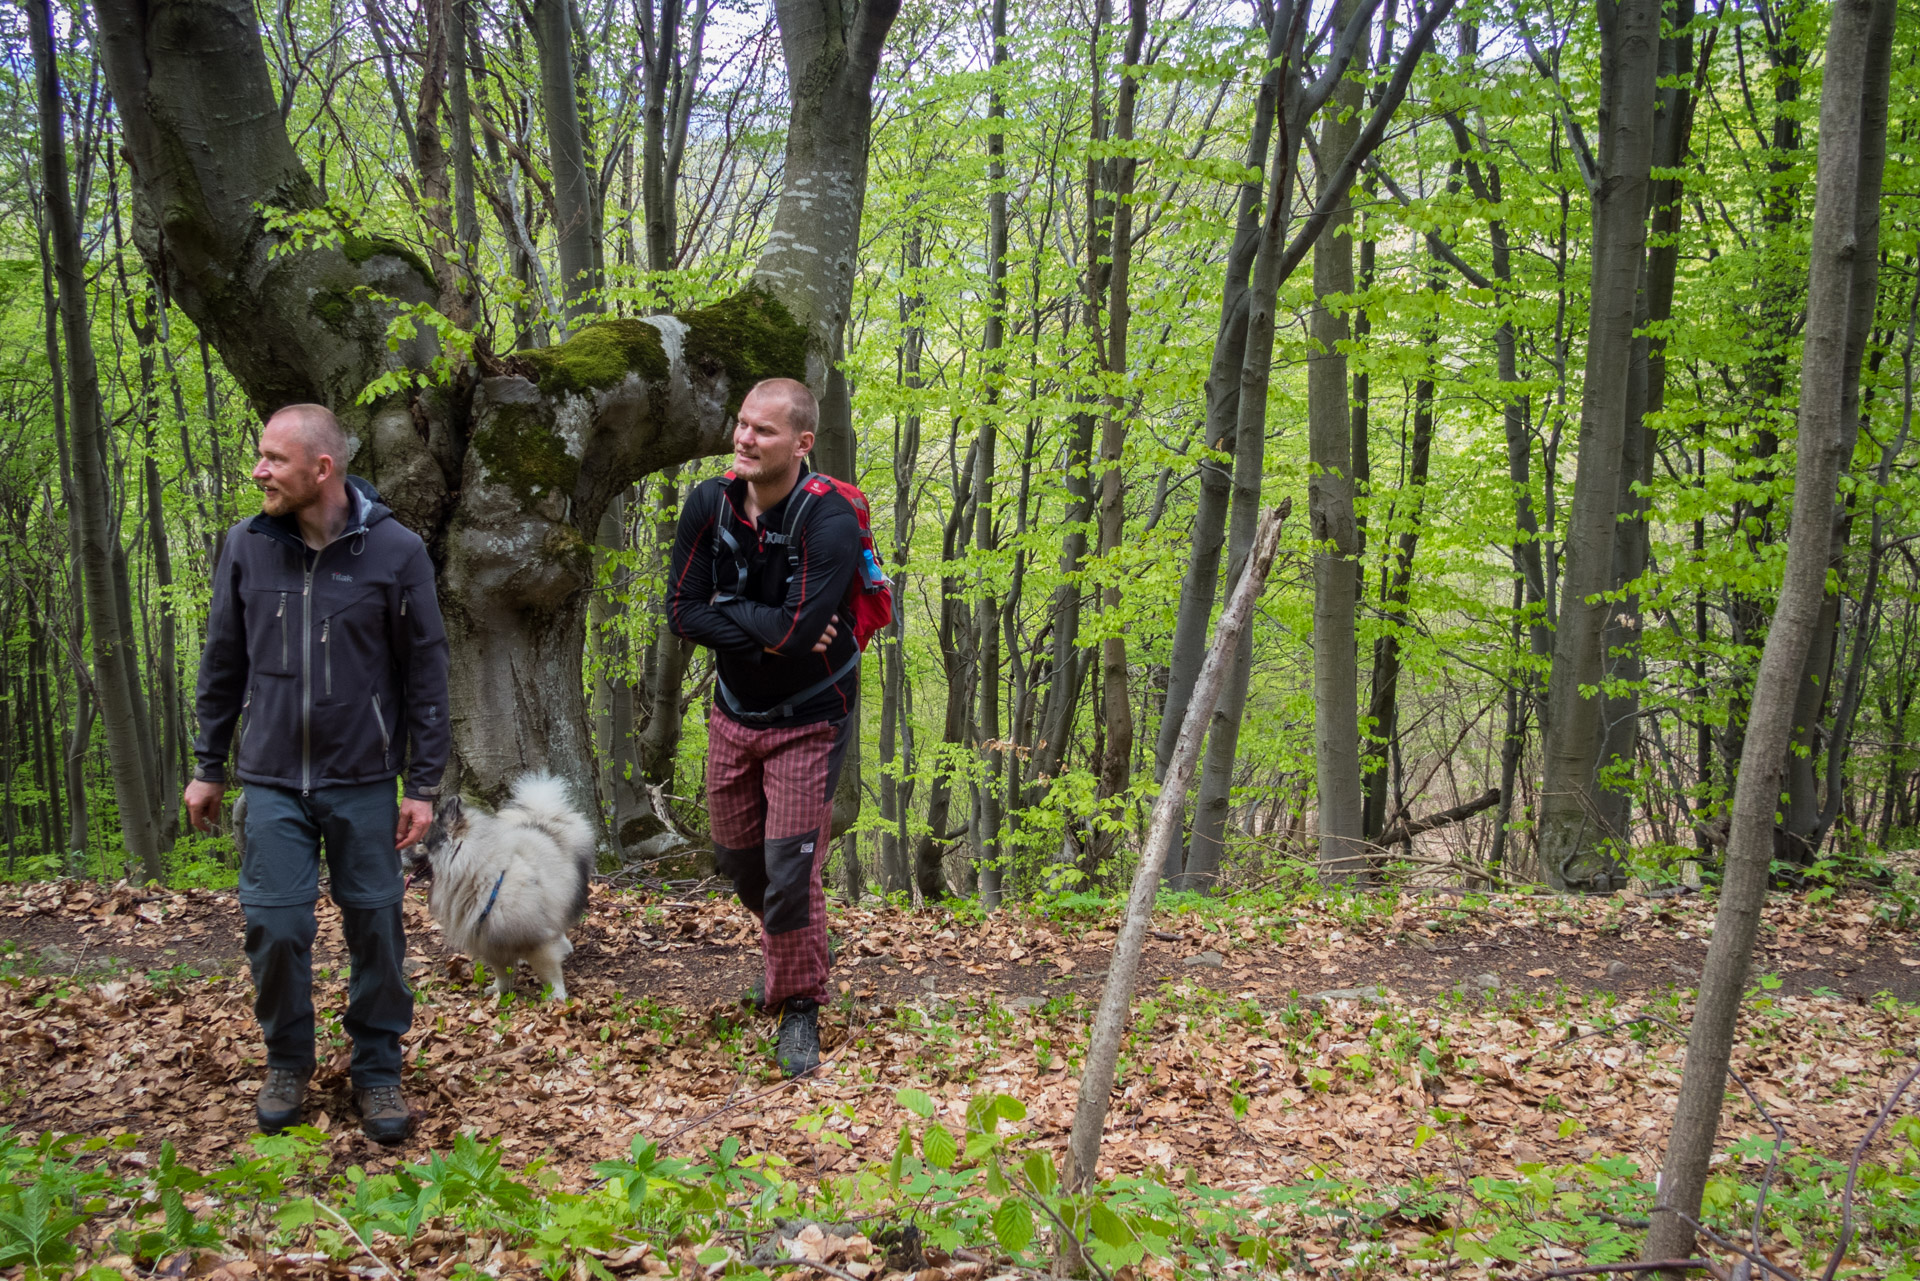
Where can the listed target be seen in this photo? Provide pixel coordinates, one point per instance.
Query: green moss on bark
(750, 336)
(601, 355)
(359, 248)
(564, 543)
(334, 309)
(523, 452)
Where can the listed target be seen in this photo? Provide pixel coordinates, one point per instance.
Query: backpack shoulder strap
(726, 548)
(810, 488)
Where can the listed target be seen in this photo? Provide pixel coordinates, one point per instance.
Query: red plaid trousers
(770, 805)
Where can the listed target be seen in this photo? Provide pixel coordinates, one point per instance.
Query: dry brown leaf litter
(1237, 1105)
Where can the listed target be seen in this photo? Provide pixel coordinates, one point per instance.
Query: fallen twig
(1853, 1173)
(1079, 1246)
(341, 1219)
(1661, 1265)
(723, 1109)
(815, 1264)
(1755, 1259)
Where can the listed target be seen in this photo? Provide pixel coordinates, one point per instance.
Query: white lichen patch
(572, 420)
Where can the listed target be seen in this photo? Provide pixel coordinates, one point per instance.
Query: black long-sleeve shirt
(763, 629)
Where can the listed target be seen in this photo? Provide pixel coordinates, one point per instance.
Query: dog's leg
(502, 975)
(545, 961)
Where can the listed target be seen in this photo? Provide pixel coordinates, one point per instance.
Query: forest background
(1043, 365)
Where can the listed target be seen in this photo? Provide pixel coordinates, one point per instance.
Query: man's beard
(283, 502)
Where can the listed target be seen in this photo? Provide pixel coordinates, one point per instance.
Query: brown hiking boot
(384, 1115)
(278, 1104)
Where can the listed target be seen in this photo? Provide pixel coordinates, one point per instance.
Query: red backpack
(869, 596)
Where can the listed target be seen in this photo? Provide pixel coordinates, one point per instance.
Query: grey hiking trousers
(279, 884)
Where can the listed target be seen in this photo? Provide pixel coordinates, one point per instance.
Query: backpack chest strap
(788, 538)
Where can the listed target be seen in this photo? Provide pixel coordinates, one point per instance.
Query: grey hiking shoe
(384, 1115)
(278, 1103)
(798, 1050)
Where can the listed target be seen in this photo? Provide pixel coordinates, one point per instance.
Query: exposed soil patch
(698, 952)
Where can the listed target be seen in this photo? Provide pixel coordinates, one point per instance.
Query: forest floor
(1276, 1040)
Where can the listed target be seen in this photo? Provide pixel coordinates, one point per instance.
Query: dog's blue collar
(493, 896)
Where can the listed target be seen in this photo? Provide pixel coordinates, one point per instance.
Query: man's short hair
(318, 430)
(803, 410)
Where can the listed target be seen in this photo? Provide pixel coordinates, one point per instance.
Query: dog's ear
(449, 814)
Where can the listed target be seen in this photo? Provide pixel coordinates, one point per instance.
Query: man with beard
(761, 565)
(326, 649)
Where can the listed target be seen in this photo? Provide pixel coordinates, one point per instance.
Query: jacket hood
(367, 512)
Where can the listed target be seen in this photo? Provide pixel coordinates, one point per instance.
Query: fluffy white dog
(508, 886)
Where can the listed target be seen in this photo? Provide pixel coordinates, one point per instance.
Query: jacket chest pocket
(350, 645)
(273, 631)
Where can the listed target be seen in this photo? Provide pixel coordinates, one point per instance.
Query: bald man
(325, 649)
(762, 560)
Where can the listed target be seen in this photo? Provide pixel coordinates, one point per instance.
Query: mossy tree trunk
(506, 469)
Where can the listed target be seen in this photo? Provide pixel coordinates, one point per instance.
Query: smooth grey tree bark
(1116, 703)
(466, 210)
(113, 653)
(1530, 586)
(1853, 122)
(1647, 392)
(1336, 537)
(1383, 703)
(670, 78)
(958, 668)
(1274, 262)
(896, 710)
(992, 344)
(1573, 839)
(575, 226)
(506, 469)
(658, 741)
(1807, 815)
(1201, 582)
(73, 749)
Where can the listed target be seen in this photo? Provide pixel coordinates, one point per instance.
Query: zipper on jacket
(306, 679)
(326, 653)
(245, 724)
(282, 616)
(386, 739)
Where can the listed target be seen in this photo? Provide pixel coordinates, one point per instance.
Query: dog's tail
(543, 798)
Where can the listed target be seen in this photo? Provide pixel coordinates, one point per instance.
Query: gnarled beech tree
(506, 468)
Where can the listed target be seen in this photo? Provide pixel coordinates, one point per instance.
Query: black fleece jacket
(762, 630)
(336, 659)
